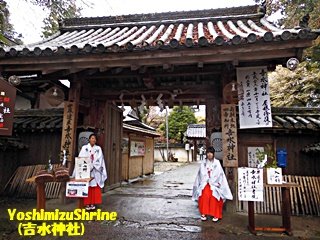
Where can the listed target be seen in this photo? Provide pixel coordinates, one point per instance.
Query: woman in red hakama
(97, 172)
(211, 188)
(94, 197)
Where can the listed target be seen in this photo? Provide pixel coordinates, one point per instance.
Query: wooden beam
(73, 70)
(127, 100)
(187, 70)
(166, 66)
(176, 90)
(252, 56)
(128, 97)
(48, 71)
(235, 62)
(61, 73)
(104, 69)
(143, 69)
(108, 77)
(299, 53)
(134, 67)
(91, 72)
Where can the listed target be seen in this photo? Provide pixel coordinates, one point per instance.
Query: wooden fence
(18, 187)
(305, 200)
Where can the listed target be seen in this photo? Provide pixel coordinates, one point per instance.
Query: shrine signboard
(7, 102)
(229, 135)
(68, 129)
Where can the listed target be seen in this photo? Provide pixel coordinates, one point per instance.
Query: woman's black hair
(211, 149)
(93, 134)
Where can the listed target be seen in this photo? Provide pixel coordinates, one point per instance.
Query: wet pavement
(160, 207)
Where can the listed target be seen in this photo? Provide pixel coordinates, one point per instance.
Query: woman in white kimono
(97, 171)
(211, 188)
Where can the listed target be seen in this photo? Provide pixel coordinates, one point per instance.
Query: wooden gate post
(74, 97)
(69, 129)
(213, 116)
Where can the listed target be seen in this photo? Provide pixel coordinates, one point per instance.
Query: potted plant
(271, 157)
(271, 173)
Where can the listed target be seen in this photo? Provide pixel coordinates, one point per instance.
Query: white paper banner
(254, 98)
(250, 184)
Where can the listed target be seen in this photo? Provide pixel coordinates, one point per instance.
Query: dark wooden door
(112, 145)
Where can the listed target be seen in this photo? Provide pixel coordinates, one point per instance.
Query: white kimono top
(98, 166)
(211, 172)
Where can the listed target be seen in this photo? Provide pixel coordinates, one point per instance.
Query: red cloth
(94, 196)
(208, 204)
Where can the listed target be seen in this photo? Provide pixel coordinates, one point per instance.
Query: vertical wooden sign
(229, 135)
(68, 131)
(7, 102)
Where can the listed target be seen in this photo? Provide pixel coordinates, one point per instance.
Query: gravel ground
(160, 167)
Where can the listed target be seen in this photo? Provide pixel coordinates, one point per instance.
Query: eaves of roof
(100, 35)
(133, 128)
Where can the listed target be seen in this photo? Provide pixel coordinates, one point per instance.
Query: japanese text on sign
(274, 175)
(254, 104)
(229, 135)
(68, 129)
(253, 161)
(7, 102)
(250, 184)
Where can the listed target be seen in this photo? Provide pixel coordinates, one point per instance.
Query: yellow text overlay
(61, 222)
(57, 215)
(54, 229)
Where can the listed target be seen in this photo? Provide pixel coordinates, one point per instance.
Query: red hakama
(94, 196)
(209, 205)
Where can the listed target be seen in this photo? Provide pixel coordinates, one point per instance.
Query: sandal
(214, 219)
(203, 217)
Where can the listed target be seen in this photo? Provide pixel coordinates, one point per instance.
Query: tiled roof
(134, 128)
(163, 16)
(131, 122)
(205, 28)
(137, 123)
(282, 118)
(196, 131)
(38, 120)
(51, 119)
(11, 143)
(296, 118)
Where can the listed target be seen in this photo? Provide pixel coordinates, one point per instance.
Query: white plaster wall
(179, 153)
